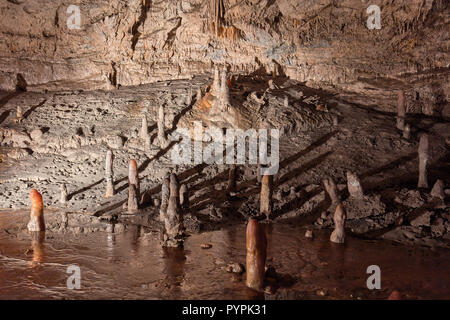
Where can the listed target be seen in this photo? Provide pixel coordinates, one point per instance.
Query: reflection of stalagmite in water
(37, 212)
(423, 161)
(338, 235)
(174, 261)
(266, 195)
(63, 199)
(109, 174)
(173, 219)
(165, 193)
(37, 244)
(133, 187)
(256, 255)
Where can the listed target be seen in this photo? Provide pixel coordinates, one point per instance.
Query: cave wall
(321, 42)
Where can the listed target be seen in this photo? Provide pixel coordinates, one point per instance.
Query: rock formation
(19, 115)
(37, 222)
(256, 243)
(423, 161)
(162, 138)
(338, 234)
(395, 295)
(231, 187)
(133, 186)
(332, 191)
(438, 190)
(133, 203)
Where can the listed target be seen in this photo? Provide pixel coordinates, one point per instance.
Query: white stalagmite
(144, 128)
(163, 142)
(19, 115)
(63, 199)
(354, 186)
(109, 174)
(224, 96)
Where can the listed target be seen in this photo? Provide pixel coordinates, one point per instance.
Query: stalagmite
(354, 186)
(231, 188)
(184, 197)
(216, 81)
(133, 204)
(163, 142)
(266, 195)
(331, 189)
(109, 174)
(37, 212)
(173, 219)
(407, 131)
(164, 198)
(401, 110)
(133, 176)
(338, 235)
(224, 96)
(335, 119)
(423, 161)
(286, 102)
(438, 190)
(198, 96)
(63, 199)
(144, 128)
(256, 243)
(19, 115)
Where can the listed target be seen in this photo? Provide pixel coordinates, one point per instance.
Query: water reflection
(174, 263)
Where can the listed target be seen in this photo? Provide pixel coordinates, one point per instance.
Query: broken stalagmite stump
(354, 186)
(37, 212)
(109, 174)
(184, 197)
(173, 219)
(19, 115)
(395, 295)
(423, 161)
(401, 110)
(165, 192)
(266, 195)
(162, 138)
(407, 131)
(256, 255)
(63, 199)
(438, 190)
(338, 235)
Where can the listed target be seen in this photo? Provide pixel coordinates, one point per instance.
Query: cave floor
(63, 139)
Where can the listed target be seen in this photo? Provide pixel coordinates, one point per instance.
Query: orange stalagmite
(37, 212)
(256, 255)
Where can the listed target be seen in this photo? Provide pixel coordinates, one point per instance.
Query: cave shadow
(33, 108)
(8, 97)
(4, 116)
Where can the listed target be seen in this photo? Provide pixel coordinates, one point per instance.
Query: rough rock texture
(325, 42)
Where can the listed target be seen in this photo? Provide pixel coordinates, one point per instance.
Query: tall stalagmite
(256, 255)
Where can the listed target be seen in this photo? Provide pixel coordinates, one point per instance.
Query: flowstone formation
(249, 102)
